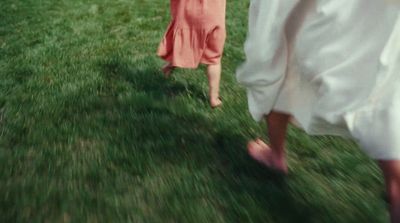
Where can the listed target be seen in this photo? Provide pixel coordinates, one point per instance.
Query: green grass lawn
(90, 131)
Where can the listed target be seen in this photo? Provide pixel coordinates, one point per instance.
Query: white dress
(332, 64)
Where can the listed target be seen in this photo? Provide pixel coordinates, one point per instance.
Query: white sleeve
(264, 70)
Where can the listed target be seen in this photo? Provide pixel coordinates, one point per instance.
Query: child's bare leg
(274, 155)
(167, 70)
(214, 77)
(391, 172)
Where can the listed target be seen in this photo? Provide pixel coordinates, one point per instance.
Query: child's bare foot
(262, 153)
(216, 102)
(167, 70)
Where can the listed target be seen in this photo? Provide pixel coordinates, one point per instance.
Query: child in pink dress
(196, 35)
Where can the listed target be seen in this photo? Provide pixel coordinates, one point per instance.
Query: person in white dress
(333, 66)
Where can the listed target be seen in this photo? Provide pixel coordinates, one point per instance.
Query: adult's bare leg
(273, 155)
(391, 172)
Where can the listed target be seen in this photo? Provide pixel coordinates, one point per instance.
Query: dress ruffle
(188, 47)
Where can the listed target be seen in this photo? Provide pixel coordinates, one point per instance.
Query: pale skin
(273, 156)
(214, 78)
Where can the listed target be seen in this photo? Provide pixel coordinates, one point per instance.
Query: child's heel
(167, 70)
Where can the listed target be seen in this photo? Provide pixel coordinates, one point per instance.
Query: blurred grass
(90, 131)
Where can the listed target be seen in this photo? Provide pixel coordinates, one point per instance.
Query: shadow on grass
(141, 131)
(268, 190)
(147, 78)
(167, 130)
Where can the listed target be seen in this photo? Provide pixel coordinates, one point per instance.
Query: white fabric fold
(332, 64)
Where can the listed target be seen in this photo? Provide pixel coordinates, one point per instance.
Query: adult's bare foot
(262, 153)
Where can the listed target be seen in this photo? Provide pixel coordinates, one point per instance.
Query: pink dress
(196, 33)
